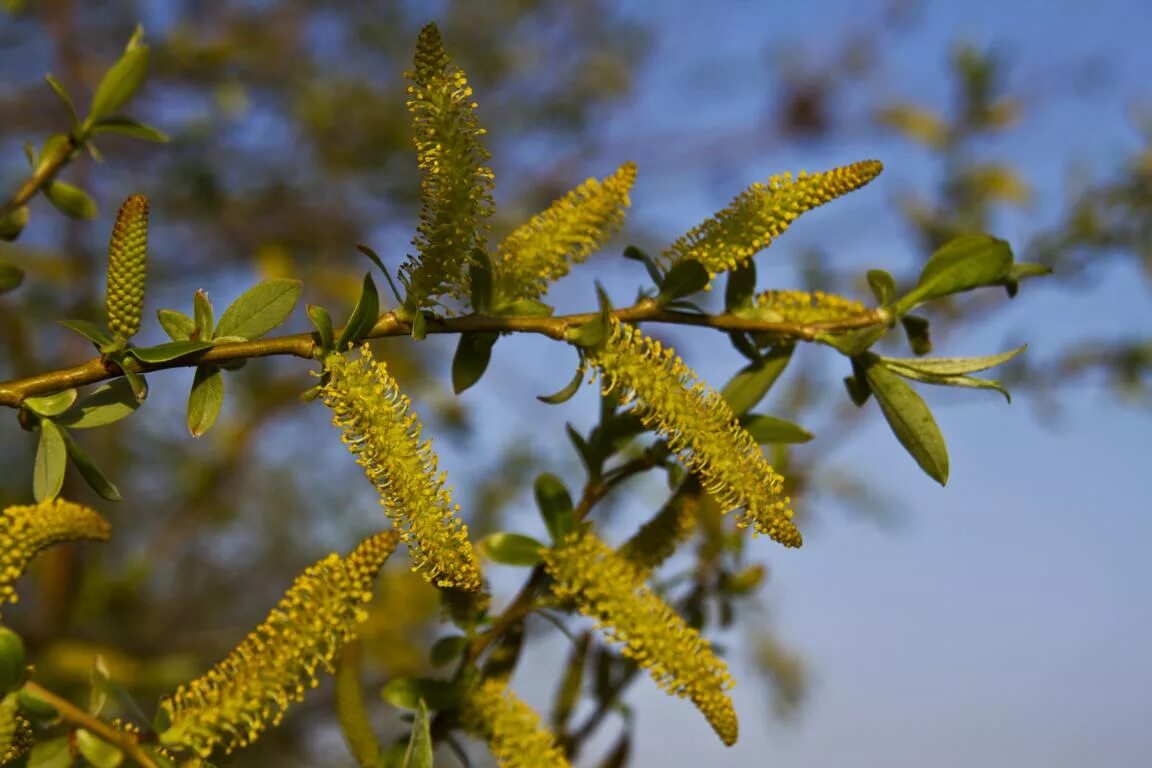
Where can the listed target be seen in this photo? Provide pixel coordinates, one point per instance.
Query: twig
(122, 740)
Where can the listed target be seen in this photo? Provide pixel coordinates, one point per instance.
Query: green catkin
(759, 214)
(806, 308)
(250, 690)
(611, 590)
(660, 537)
(514, 733)
(26, 530)
(127, 268)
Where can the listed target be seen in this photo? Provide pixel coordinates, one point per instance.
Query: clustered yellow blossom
(512, 729)
(660, 537)
(807, 308)
(761, 213)
(456, 190)
(571, 229)
(611, 590)
(127, 268)
(699, 426)
(26, 530)
(384, 435)
(15, 731)
(250, 690)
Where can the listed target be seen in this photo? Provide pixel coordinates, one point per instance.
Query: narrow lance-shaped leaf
(364, 315)
(120, 82)
(205, 399)
(910, 419)
(87, 468)
(70, 200)
(51, 461)
(419, 753)
(260, 309)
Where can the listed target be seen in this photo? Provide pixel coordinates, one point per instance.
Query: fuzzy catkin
(127, 268)
(512, 729)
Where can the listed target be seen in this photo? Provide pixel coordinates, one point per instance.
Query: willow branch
(46, 170)
(122, 740)
(304, 345)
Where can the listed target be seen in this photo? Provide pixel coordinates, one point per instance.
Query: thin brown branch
(303, 345)
(126, 742)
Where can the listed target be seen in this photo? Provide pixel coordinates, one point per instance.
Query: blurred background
(1003, 620)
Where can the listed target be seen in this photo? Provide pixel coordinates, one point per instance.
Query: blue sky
(1007, 620)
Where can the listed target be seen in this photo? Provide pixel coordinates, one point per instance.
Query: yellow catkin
(660, 537)
(699, 426)
(15, 731)
(612, 591)
(26, 530)
(571, 229)
(250, 690)
(807, 307)
(761, 213)
(514, 733)
(456, 187)
(384, 435)
(127, 268)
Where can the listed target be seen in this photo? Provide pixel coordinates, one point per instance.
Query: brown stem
(126, 742)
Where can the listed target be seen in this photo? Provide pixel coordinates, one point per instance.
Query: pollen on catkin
(759, 214)
(15, 731)
(699, 426)
(456, 186)
(611, 590)
(127, 268)
(807, 307)
(514, 733)
(250, 690)
(540, 252)
(384, 435)
(26, 530)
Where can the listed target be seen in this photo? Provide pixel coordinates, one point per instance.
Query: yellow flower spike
(15, 731)
(759, 214)
(805, 308)
(699, 426)
(384, 435)
(660, 537)
(611, 590)
(232, 704)
(571, 229)
(26, 530)
(456, 190)
(127, 268)
(515, 735)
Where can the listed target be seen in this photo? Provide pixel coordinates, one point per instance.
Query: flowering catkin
(512, 729)
(761, 213)
(232, 704)
(127, 268)
(383, 433)
(698, 425)
(611, 590)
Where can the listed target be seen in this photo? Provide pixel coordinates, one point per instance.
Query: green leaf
(771, 430)
(858, 391)
(322, 321)
(512, 549)
(205, 399)
(177, 325)
(136, 382)
(170, 350)
(62, 94)
(571, 683)
(963, 382)
(419, 326)
(740, 287)
(70, 200)
(565, 394)
(54, 753)
(473, 352)
(968, 262)
(555, 505)
(592, 463)
(447, 649)
(883, 286)
(853, 343)
(89, 330)
(13, 662)
(908, 416)
(51, 405)
(98, 753)
(952, 366)
(364, 315)
(119, 84)
(751, 383)
(259, 309)
(126, 126)
(51, 460)
(11, 277)
(683, 279)
(480, 282)
(1020, 272)
(13, 223)
(635, 254)
(419, 753)
(589, 335)
(88, 469)
(371, 254)
(916, 329)
(408, 692)
(105, 405)
(202, 312)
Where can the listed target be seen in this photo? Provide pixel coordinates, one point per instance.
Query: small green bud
(13, 662)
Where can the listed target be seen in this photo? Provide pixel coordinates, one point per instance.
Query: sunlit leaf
(910, 419)
(51, 460)
(260, 309)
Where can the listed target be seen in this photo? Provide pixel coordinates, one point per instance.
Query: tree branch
(122, 740)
